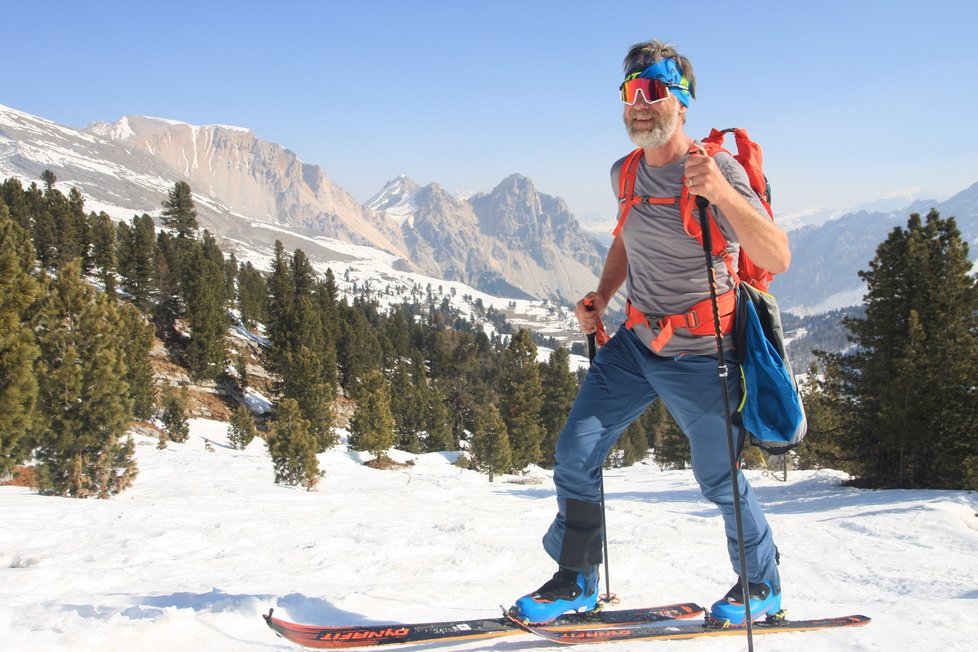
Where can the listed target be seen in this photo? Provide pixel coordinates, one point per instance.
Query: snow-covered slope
(204, 543)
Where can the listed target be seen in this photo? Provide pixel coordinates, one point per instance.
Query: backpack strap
(699, 318)
(626, 187)
(627, 198)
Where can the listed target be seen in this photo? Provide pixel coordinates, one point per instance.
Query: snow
(205, 542)
(837, 301)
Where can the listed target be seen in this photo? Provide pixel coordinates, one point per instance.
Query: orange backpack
(750, 157)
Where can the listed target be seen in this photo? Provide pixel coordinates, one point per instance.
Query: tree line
(83, 298)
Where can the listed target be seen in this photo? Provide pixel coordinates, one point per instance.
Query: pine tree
(231, 281)
(12, 194)
(44, 226)
(303, 275)
(463, 376)
(241, 370)
(821, 447)
(252, 296)
(58, 228)
(241, 427)
(327, 296)
(81, 243)
(633, 444)
(490, 442)
(282, 306)
(137, 260)
(408, 405)
(521, 399)
(559, 391)
(314, 397)
(203, 287)
(908, 389)
(176, 425)
(437, 425)
(84, 403)
(103, 250)
(372, 425)
(49, 179)
(292, 447)
(136, 347)
(180, 212)
(18, 351)
(358, 350)
(670, 443)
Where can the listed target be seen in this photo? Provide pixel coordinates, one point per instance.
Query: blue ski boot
(763, 601)
(566, 591)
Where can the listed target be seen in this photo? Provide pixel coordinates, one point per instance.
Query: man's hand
(589, 311)
(704, 178)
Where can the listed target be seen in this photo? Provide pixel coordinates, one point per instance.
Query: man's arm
(760, 237)
(592, 306)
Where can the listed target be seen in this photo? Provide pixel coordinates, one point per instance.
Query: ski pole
(702, 204)
(592, 350)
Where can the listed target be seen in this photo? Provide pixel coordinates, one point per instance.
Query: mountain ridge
(511, 239)
(249, 191)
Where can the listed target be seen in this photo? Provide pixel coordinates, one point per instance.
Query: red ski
(324, 637)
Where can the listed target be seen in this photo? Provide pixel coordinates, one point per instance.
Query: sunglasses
(652, 90)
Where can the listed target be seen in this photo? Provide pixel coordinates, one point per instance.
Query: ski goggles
(656, 82)
(652, 90)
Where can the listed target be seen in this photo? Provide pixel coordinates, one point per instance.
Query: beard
(655, 131)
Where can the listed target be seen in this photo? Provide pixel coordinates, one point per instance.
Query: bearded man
(659, 353)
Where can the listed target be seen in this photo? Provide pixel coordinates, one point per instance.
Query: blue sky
(851, 100)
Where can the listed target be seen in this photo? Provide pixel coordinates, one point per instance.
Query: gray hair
(643, 55)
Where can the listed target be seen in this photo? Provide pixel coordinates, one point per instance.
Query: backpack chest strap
(635, 200)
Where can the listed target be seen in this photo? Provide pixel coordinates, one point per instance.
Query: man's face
(652, 125)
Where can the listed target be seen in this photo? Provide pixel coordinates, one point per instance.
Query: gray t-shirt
(666, 266)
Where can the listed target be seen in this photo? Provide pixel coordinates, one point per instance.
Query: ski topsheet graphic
(315, 636)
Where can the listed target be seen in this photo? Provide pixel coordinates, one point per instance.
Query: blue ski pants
(624, 379)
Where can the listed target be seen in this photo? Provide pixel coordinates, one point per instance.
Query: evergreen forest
(93, 312)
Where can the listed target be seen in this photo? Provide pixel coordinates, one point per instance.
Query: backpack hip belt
(698, 320)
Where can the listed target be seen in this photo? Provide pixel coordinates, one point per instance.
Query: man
(650, 357)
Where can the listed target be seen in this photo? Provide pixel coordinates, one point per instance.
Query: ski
(315, 636)
(649, 631)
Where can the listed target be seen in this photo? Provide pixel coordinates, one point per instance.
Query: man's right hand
(589, 310)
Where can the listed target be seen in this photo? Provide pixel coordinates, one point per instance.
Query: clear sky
(852, 100)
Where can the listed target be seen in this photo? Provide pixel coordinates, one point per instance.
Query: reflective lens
(652, 90)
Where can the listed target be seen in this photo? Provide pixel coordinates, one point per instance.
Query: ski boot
(729, 610)
(565, 591)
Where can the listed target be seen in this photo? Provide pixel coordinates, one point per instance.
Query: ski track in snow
(205, 543)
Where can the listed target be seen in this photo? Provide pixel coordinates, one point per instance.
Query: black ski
(648, 631)
(316, 636)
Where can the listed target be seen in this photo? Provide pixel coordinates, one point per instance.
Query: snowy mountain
(826, 258)
(261, 181)
(204, 543)
(511, 242)
(251, 192)
(395, 200)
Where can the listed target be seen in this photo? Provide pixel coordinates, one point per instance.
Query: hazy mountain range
(510, 241)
